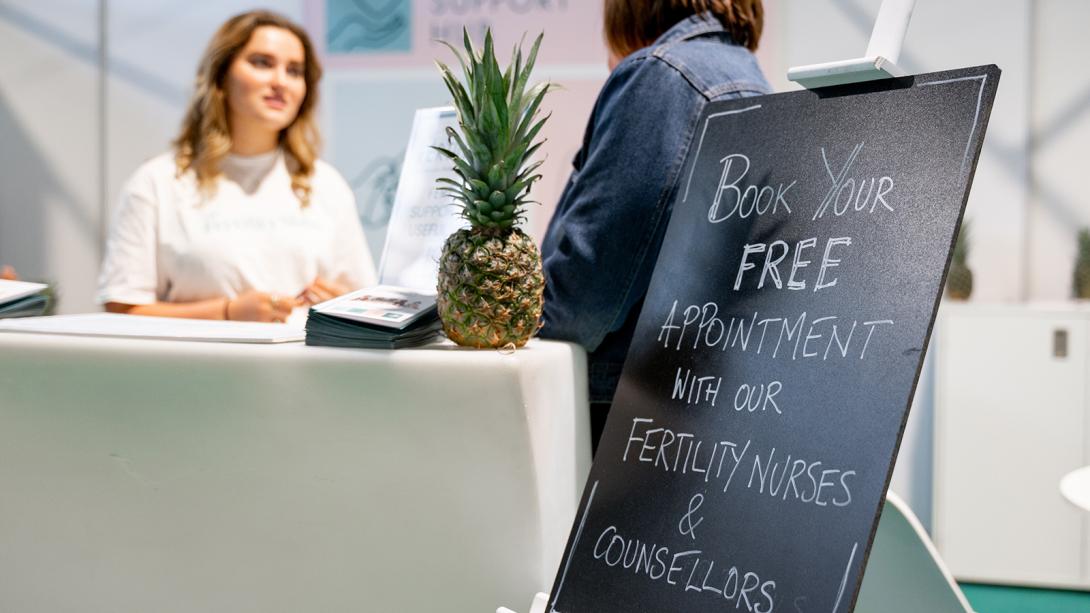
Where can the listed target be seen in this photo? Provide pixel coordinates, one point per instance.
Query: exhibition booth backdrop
(89, 90)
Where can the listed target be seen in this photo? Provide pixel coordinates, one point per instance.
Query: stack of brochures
(22, 299)
(379, 317)
(399, 311)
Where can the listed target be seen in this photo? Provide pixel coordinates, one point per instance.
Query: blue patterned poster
(368, 26)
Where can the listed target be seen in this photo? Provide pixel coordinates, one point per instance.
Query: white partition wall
(1002, 444)
(49, 144)
(1060, 117)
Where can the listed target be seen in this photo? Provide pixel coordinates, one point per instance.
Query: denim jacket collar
(691, 27)
(623, 186)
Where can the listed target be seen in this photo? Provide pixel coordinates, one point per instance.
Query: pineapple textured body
(490, 288)
(959, 280)
(490, 281)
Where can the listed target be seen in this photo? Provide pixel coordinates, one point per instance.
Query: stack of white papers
(169, 328)
(22, 299)
(422, 216)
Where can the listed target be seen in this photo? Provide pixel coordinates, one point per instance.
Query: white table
(1075, 486)
(168, 476)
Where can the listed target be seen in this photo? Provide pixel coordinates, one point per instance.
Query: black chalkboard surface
(753, 434)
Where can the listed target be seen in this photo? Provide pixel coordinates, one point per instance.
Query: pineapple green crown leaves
(1084, 242)
(1081, 274)
(498, 116)
(962, 245)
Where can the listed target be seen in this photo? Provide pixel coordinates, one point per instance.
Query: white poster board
(422, 217)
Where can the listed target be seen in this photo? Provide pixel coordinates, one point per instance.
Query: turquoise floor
(1002, 599)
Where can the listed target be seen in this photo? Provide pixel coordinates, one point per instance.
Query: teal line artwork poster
(400, 34)
(368, 26)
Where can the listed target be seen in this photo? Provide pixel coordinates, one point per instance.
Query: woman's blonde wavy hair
(205, 138)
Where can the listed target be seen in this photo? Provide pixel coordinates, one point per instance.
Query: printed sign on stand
(423, 216)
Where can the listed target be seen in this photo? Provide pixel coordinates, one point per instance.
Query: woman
(604, 238)
(241, 220)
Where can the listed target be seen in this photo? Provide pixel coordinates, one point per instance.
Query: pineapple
(1081, 277)
(959, 281)
(490, 280)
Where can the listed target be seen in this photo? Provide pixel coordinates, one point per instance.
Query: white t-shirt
(170, 243)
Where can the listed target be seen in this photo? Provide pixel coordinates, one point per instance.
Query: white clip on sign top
(880, 61)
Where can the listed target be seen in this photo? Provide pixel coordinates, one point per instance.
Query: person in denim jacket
(602, 243)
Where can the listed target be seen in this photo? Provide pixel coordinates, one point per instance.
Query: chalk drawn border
(700, 144)
(976, 114)
(574, 546)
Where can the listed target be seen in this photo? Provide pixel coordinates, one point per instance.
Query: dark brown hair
(631, 25)
(205, 138)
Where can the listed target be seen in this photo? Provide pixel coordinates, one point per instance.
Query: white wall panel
(49, 131)
(954, 34)
(1061, 157)
(958, 33)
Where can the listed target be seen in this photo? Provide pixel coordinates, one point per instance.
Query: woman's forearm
(212, 308)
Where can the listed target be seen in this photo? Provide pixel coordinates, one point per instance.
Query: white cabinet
(1010, 420)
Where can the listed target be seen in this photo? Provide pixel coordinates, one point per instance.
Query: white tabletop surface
(1075, 486)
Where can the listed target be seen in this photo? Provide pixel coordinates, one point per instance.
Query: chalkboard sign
(752, 436)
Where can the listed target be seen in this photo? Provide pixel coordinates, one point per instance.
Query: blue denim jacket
(604, 238)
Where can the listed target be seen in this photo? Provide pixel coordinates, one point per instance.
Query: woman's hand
(253, 305)
(321, 290)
